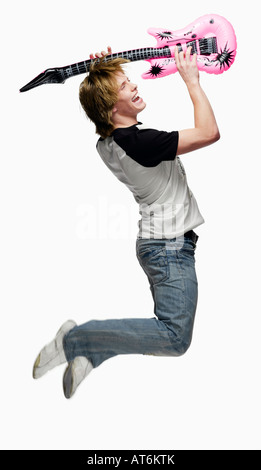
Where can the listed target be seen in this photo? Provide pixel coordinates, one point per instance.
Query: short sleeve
(148, 147)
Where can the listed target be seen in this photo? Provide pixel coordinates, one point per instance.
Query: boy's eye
(123, 85)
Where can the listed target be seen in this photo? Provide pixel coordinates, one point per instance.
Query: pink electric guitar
(212, 37)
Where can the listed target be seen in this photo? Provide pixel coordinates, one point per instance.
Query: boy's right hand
(187, 66)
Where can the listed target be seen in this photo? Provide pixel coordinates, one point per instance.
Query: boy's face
(129, 103)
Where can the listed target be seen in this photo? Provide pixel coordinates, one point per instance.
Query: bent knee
(182, 348)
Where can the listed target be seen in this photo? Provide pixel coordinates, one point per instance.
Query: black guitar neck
(133, 55)
(204, 46)
(60, 74)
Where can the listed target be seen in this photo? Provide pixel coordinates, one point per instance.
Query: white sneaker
(52, 354)
(74, 374)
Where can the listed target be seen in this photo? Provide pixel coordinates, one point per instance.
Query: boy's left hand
(101, 54)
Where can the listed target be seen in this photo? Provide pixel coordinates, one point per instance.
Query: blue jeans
(170, 268)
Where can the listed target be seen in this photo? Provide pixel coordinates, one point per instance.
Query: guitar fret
(193, 44)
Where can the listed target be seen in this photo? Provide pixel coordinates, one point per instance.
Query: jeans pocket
(154, 262)
(187, 255)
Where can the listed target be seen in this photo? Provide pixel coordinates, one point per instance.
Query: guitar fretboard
(205, 46)
(132, 55)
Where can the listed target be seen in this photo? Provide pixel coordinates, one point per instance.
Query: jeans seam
(181, 271)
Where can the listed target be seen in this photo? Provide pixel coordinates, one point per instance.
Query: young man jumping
(147, 162)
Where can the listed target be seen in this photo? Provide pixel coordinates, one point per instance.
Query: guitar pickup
(205, 46)
(208, 46)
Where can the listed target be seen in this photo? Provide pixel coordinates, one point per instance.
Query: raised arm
(205, 131)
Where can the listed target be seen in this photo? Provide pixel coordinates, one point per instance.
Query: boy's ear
(114, 109)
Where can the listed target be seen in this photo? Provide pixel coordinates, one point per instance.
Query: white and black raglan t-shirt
(145, 161)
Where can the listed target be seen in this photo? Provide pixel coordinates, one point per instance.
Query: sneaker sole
(36, 364)
(68, 381)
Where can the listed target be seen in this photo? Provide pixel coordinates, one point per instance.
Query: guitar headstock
(48, 76)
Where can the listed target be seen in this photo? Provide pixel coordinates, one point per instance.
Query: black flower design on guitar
(224, 58)
(156, 70)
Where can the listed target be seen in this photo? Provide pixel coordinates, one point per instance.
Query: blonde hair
(98, 93)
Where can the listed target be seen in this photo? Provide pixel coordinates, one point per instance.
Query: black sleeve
(148, 147)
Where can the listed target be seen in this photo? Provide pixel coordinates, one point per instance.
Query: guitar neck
(132, 55)
(203, 46)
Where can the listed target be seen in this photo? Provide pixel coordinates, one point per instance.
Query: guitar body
(211, 36)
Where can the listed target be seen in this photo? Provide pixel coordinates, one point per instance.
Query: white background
(61, 256)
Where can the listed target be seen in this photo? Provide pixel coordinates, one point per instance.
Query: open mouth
(136, 98)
